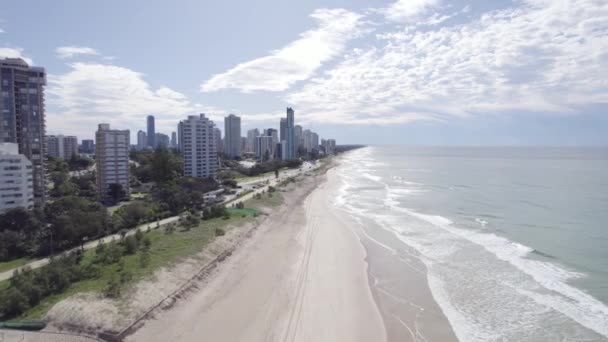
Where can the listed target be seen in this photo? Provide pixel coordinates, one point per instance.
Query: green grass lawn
(9, 265)
(244, 211)
(166, 248)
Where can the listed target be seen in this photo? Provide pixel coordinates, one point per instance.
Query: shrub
(112, 290)
(144, 259)
(130, 245)
(219, 232)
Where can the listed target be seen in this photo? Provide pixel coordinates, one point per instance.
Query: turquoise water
(515, 240)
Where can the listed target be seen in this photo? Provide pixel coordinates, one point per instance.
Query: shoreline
(398, 282)
(302, 276)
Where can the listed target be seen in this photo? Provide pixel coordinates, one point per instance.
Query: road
(228, 201)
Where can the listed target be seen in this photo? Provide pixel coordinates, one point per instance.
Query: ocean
(515, 240)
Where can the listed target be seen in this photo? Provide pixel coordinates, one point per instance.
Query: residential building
(307, 134)
(112, 160)
(252, 134)
(299, 138)
(162, 140)
(232, 136)
(291, 134)
(151, 132)
(219, 142)
(330, 148)
(59, 146)
(142, 140)
(22, 117)
(199, 147)
(180, 136)
(173, 140)
(243, 144)
(283, 150)
(16, 179)
(264, 150)
(88, 146)
(314, 141)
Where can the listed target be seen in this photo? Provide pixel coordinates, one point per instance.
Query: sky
(415, 72)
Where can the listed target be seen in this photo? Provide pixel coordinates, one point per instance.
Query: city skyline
(431, 71)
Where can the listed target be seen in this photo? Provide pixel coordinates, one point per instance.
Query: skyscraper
(112, 161)
(59, 146)
(180, 136)
(151, 132)
(199, 147)
(307, 134)
(314, 141)
(219, 143)
(283, 130)
(290, 133)
(299, 138)
(232, 136)
(142, 140)
(173, 140)
(251, 135)
(162, 140)
(22, 116)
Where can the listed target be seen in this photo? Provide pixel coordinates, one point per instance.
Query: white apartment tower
(198, 139)
(16, 179)
(232, 136)
(112, 160)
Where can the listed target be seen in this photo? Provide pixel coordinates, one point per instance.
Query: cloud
(404, 10)
(538, 56)
(92, 93)
(14, 53)
(65, 52)
(295, 62)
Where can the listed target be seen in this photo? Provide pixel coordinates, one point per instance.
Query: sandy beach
(303, 276)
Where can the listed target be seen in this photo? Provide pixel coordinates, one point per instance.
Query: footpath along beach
(303, 276)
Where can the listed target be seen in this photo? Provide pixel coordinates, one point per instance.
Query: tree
(112, 289)
(116, 192)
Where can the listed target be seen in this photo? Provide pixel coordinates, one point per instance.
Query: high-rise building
(219, 143)
(16, 179)
(251, 135)
(162, 140)
(88, 146)
(180, 136)
(307, 134)
(291, 134)
(173, 140)
(299, 137)
(232, 136)
(199, 147)
(59, 146)
(112, 161)
(314, 141)
(264, 150)
(142, 140)
(283, 130)
(330, 147)
(22, 117)
(151, 132)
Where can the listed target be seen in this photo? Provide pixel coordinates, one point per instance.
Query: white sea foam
(568, 300)
(372, 177)
(482, 222)
(550, 295)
